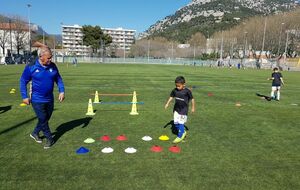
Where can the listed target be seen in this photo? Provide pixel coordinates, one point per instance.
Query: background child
(277, 80)
(182, 97)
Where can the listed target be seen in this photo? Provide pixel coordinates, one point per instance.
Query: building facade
(13, 35)
(122, 38)
(72, 39)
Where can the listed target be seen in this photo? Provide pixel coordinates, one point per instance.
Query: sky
(129, 14)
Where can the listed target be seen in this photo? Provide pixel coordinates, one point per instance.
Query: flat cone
(134, 107)
(96, 99)
(107, 150)
(105, 138)
(23, 104)
(156, 148)
(90, 110)
(164, 138)
(238, 104)
(174, 149)
(89, 140)
(146, 138)
(130, 150)
(82, 150)
(121, 138)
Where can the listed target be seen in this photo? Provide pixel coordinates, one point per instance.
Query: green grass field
(255, 146)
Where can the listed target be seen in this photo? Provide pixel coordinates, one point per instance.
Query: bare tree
(20, 34)
(4, 32)
(4, 37)
(249, 34)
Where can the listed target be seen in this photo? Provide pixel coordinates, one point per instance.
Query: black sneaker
(48, 144)
(36, 138)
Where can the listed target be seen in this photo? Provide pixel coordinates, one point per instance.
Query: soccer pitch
(252, 146)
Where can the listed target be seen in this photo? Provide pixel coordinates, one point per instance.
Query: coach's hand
(26, 101)
(193, 110)
(61, 96)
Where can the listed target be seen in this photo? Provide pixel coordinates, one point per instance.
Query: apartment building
(123, 38)
(72, 39)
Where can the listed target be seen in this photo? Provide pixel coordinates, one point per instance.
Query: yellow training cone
(90, 110)
(134, 107)
(96, 100)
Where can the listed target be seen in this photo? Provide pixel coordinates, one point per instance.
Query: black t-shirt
(276, 81)
(182, 99)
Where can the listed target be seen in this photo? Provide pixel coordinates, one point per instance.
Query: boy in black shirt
(277, 80)
(182, 97)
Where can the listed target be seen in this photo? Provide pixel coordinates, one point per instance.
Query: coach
(42, 73)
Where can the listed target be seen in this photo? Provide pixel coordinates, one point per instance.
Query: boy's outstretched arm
(168, 102)
(281, 79)
(193, 105)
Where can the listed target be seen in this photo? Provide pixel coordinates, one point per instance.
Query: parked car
(9, 60)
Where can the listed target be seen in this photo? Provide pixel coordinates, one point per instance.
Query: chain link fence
(293, 65)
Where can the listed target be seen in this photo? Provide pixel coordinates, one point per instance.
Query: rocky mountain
(209, 16)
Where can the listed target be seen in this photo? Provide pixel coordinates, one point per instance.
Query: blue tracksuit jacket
(43, 78)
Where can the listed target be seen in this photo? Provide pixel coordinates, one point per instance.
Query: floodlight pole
(124, 47)
(172, 52)
(279, 43)
(10, 35)
(148, 50)
(264, 37)
(245, 43)
(221, 54)
(286, 46)
(194, 52)
(43, 37)
(62, 41)
(29, 27)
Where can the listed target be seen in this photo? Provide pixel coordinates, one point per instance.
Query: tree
(50, 40)
(4, 38)
(20, 33)
(5, 24)
(94, 37)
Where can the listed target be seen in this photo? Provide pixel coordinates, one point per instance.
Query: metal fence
(237, 63)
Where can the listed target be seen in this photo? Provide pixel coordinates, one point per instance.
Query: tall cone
(96, 100)
(90, 110)
(134, 107)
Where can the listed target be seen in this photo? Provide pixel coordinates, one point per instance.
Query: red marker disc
(121, 138)
(175, 149)
(105, 138)
(156, 148)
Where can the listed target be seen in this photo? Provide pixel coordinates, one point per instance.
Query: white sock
(272, 94)
(278, 95)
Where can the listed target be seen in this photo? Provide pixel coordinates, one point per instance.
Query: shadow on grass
(17, 126)
(173, 127)
(264, 96)
(4, 109)
(65, 127)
